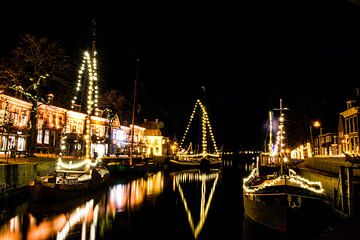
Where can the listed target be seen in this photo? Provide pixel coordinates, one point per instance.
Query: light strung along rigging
(87, 84)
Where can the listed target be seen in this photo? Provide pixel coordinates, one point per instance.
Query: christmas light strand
(206, 129)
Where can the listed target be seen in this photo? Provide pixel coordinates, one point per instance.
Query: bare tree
(115, 101)
(36, 67)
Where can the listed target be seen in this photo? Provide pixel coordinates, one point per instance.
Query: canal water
(163, 205)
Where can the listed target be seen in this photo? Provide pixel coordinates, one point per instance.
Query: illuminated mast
(280, 138)
(270, 133)
(206, 128)
(89, 60)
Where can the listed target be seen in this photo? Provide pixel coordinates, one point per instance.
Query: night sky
(248, 55)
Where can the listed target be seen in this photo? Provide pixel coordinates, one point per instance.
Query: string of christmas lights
(206, 128)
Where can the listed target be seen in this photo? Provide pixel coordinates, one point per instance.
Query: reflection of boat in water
(279, 200)
(196, 176)
(205, 157)
(88, 216)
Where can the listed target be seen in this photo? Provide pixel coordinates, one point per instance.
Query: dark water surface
(164, 205)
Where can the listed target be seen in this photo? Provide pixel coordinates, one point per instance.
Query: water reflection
(205, 179)
(131, 195)
(87, 220)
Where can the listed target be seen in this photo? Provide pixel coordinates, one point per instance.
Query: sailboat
(74, 177)
(204, 157)
(134, 166)
(280, 199)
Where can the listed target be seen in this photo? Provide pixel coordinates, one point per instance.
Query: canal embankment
(343, 193)
(16, 175)
(329, 165)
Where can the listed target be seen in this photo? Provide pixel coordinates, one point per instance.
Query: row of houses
(345, 140)
(108, 135)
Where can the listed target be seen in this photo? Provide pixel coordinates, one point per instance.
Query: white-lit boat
(281, 200)
(206, 157)
(70, 180)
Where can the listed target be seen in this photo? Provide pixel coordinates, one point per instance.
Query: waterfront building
(153, 139)
(49, 125)
(108, 135)
(326, 144)
(14, 123)
(348, 129)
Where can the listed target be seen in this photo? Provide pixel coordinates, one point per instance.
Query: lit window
(39, 136)
(46, 137)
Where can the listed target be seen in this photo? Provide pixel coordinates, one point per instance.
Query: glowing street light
(315, 124)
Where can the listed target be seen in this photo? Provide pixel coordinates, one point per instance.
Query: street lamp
(315, 124)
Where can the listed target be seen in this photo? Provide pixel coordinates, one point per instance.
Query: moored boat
(275, 196)
(208, 156)
(67, 183)
(203, 163)
(279, 202)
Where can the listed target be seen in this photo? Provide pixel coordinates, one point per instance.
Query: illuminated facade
(348, 129)
(153, 139)
(118, 140)
(14, 123)
(107, 136)
(99, 132)
(50, 123)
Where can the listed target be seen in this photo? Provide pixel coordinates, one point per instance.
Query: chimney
(350, 103)
(50, 99)
(156, 120)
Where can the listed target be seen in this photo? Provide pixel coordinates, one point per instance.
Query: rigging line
(133, 112)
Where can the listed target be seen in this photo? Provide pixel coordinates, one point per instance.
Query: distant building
(326, 144)
(153, 139)
(348, 128)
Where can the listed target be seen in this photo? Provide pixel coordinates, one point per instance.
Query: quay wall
(327, 164)
(17, 176)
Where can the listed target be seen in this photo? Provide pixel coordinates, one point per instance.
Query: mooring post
(342, 187)
(350, 190)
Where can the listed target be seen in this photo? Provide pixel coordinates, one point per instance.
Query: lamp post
(315, 124)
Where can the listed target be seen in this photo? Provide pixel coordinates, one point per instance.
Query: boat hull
(47, 187)
(284, 212)
(59, 191)
(202, 164)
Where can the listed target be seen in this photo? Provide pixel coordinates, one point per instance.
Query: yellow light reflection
(197, 176)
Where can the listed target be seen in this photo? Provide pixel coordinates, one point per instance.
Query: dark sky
(248, 55)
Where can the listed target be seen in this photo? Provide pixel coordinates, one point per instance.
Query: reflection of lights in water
(60, 224)
(79, 214)
(86, 216)
(11, 230)
(133, 194)
(204, 205)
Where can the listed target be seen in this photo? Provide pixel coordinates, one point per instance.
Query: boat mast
(270, 133)
(92, 98)
(133, 113)
(281, 137)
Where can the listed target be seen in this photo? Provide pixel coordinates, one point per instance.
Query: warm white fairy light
(61, 165)
(93, 91)
(312, 186)
(204, 205)
(206, 129)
